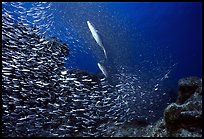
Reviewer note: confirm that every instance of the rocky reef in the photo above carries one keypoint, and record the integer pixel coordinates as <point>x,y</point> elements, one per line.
<point>183,118</point>
<point>180,119</point>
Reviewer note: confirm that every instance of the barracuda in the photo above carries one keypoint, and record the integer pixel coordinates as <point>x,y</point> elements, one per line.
<point>95,35</point>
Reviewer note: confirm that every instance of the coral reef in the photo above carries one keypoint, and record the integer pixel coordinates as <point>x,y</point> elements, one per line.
<point>183,118</point>
<point>187,86</point>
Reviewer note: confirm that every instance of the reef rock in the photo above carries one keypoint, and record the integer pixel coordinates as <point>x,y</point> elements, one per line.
<point>184,118</point>
<point>187,86</point>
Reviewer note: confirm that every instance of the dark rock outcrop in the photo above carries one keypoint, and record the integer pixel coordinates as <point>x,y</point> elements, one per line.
<point>183,118</point>
<point>188,115</point>
<point>187,86</point>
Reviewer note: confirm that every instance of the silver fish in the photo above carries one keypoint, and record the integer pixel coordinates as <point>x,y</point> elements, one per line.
<point>102,68</point>
<point>97,38</point>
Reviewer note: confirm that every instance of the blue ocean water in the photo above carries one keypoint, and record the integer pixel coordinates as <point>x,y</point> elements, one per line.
<point>176,25</point>
<point>149,45</point>
<point>174,28</point>
<point>165,32</point>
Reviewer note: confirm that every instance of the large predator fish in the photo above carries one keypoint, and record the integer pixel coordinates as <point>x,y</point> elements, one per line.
<point>103,70</point>
<point>96,36</point>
